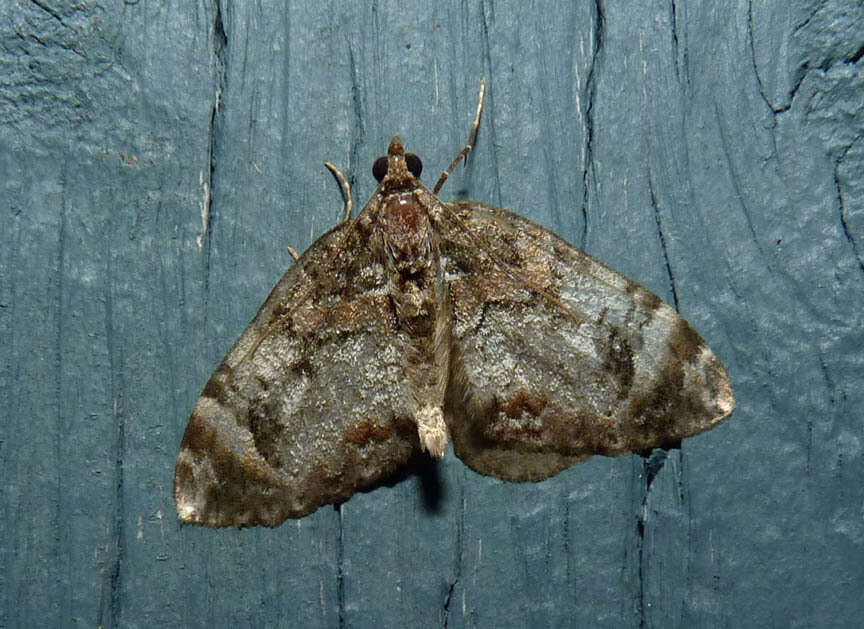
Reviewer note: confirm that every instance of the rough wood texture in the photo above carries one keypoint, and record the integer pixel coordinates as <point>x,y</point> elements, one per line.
<point>156,160</point>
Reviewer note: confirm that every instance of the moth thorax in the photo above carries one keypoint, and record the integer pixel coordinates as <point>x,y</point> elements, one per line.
<point>406,232</point>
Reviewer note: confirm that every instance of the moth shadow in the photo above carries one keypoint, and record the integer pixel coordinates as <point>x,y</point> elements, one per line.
<point>431,488</point>
<point>428,476</point>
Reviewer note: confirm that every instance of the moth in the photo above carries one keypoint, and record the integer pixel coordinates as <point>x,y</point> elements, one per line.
<point>421,323</point>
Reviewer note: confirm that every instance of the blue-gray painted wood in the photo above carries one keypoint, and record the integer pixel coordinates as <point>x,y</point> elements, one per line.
<point>156,160</point>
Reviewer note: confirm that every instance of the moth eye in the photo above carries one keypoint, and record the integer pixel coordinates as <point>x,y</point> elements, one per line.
<point>415,166</point>
<point>379,169</point>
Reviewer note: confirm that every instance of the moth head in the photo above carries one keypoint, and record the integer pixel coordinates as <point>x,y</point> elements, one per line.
<point>397,167</point>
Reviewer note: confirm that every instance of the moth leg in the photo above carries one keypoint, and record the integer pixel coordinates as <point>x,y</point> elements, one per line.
<point>346,190</point>
<point>471,137</point>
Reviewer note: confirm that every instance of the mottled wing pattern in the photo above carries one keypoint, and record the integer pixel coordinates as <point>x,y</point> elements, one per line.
<point>559,357</point>
<point>310,404</point>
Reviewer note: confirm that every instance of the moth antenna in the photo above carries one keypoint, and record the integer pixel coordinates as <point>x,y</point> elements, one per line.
<point>293,253</point>
<point>471,137</point>
<point>346,189</point>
